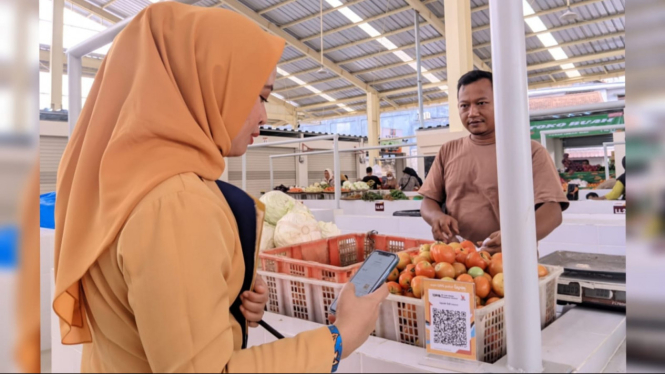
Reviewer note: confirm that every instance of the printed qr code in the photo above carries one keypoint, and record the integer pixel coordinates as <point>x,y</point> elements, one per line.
<point>449,327</point>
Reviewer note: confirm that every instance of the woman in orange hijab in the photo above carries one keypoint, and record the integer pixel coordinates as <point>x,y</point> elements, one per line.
<point>148,253</point>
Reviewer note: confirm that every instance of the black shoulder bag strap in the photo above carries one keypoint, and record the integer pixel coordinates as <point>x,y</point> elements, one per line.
<point>244,211</point>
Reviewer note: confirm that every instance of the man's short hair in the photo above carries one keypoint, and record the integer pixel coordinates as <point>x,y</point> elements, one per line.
<point>472,77</point>
<point>369,169</point>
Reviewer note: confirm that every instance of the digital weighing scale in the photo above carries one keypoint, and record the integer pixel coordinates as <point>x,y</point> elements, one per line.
<point>590,279</point>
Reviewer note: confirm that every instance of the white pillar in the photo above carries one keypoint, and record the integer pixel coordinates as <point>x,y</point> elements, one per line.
<point>373,125</point>
<point>518,223</point>
<point>57,57</point>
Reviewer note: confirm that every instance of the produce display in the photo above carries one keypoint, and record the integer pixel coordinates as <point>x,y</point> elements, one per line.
<point>295,190</point>
<point>372,196</point>
<point>456,262</point>
<point>357,186</point>
<point>288,222</point>
<point>395,195</point>
<point>315,188</point>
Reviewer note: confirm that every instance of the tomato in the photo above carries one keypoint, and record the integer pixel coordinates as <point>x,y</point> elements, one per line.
<point>476,272</point>
<point>496,267</point>
<point>405,280</point>
<point>444,270</point>
<point>410,269</point>
<point>417,286</point>
<point>425,247</point>
<point>459,269</point>
<point>542,271</point>
<point>469,246</point>
<point>404,259</point>
<point>488,277</point>
<point>491,301</point>
<point>479,302</point>
<point>394,275</point>
<point>486,256</point>
<point>465,278</point>
<point>408,293</point>
<point>420,258</point>
<point>394,288</point>
<point>443,253</point>
<point>497,285</point>
<point>497,257</point>
<point>474,260</point>
<point>483,287</point>
<point>448,279</point>
<point>425,269</point>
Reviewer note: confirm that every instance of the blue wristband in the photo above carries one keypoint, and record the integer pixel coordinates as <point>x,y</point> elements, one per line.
<point>337,338</point>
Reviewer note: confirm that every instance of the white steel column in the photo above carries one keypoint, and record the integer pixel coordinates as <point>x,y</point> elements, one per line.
<point>416,21</point>
<point>57,54</point>
<point>74,75</point>
<point>518,221</point>
<point>337,171</point>
<point>373,125</point>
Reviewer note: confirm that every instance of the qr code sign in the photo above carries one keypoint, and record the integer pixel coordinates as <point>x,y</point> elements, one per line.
<point>450,327</point>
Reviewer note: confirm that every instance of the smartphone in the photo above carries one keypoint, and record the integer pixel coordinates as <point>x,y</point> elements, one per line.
<point>372,274</point>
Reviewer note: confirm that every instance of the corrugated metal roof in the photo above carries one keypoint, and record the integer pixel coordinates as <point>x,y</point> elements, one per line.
<point>575,33</point>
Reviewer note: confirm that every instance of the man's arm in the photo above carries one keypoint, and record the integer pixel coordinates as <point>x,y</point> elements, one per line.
<point>548,217</point>
<point>444,227</point>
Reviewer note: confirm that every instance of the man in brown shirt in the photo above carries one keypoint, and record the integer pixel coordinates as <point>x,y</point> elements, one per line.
<point>464,176</point>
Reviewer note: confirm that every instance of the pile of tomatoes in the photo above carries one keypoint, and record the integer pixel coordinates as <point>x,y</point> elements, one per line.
<point>457,262</point>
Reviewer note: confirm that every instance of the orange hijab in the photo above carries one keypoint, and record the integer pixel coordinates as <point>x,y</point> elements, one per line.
<point>169,98</point>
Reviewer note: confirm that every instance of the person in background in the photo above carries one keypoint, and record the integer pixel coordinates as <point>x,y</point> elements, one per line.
<point>410,181</point>
<point>619,190</point>
<point>591,196</point>
<point>391,182</point>
<point>154,267</point>
<point>566,162</point>
<point>328,177</point>
<point>464,176</point>
<point>371,177</point>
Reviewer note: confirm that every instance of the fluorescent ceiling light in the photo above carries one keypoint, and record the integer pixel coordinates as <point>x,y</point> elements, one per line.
<point>334,3</point>
<point>432,78</point>
<point>403,56</point>
<point>328,97</point>
<point>536,24</point>
<point>558,53</point>
<point>548,39</point>
<point>351,15</point>
<point>568,66</point>
<point>528,10</point>
<point>573,74</point>
<point>371,31</point>
<point>387,43</point>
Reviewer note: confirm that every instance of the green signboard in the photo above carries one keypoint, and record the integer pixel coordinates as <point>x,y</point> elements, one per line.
<point>576,123</point>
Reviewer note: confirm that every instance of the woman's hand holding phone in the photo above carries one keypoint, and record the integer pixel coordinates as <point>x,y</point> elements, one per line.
<point>356,316</point>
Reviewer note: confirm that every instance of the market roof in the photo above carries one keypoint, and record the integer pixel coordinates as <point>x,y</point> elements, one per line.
<point>369,46</point>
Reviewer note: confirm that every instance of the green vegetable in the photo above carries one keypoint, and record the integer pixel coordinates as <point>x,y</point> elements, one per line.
<point>372,196</point>
<point>398,195</point>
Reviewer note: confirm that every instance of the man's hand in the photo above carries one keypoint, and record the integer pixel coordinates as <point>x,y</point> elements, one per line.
<point>493,245</point>
<point>444,228</point>
<point>254,303</point>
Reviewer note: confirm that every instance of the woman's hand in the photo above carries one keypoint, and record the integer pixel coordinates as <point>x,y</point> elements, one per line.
<point>354,326</point>
<point>254,303</point>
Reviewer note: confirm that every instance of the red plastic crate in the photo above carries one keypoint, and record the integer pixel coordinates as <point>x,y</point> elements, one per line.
<point>334,259</point>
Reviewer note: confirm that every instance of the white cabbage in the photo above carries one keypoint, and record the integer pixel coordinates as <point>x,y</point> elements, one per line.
<point>329,229</point>
<point>278,204</point>
<point>296,228</point>
<point>267,236</point>
<point>299,207</point>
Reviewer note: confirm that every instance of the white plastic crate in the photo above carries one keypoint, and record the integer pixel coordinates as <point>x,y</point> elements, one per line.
<point>402,319</point>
